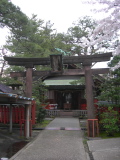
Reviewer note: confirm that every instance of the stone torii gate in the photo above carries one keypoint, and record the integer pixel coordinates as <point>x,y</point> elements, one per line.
<point>56,62</point>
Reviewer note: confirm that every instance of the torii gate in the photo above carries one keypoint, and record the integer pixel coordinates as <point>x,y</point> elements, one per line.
<point>57,62</point>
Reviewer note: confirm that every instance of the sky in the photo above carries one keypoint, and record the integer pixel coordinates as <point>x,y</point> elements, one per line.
<point>60,12</point>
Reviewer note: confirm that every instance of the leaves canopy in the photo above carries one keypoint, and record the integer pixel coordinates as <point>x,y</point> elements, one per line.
<point>110,90</point>
<point>11,16</point>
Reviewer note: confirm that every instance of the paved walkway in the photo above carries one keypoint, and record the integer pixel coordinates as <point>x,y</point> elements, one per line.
<point>105,149</point>
<point>62,140</point>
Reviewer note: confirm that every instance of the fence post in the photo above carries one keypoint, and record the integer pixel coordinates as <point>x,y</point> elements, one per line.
<point>10,119</point>
<point>92,123</point>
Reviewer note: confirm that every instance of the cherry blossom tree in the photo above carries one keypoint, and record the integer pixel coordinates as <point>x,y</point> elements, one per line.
<point>108,28</point>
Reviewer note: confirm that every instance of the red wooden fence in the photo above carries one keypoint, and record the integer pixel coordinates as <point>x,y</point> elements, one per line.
<point>18,113</point>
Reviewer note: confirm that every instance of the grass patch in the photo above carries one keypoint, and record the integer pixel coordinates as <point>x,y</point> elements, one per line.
<point>84,141</point>
<point>104,135</point>
<point>42,124</point>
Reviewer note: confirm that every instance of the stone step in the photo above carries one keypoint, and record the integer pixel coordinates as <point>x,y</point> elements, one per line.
<point>66,113</point>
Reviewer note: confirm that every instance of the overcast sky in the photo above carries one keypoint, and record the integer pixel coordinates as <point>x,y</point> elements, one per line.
<point>61,12</point>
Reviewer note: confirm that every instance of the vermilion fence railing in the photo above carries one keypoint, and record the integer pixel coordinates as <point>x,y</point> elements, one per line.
<point>18,113</point>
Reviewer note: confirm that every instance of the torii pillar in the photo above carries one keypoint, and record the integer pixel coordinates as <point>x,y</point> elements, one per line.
<point>89,91</point>
<point>28,93</point>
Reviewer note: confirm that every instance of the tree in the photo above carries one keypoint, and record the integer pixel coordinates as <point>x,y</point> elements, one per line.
<point>39,89</point>
<point>3,63</point>
<point>77,40</point>
<point>108,28</point>
<point>62,44</point>
<point>28,36</point>
<point>110,90</point>
<point>40,42</point>
<point>108,110</point>
<point>79,36</point>
<point>25,42</point>
<point>11,16</point>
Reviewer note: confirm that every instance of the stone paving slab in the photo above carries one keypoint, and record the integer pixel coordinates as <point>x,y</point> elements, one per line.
<point>55,144</point>
<point>65,122</point>
<point>105,149</point>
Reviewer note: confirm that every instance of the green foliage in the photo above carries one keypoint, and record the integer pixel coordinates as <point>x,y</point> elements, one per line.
<point>109,120</point>
<point>104,135</point>
<point>110,95</point>
<point>29,37</point>
<point>41,114</point>
<point>25,41</point>
<point>110,89</point>
<point>14,69</point>
<point>62,41</point>
<point>79,30</point>
<point>43,124</point>
<point>8,80</point>
<point>37,40</point>
<point>38,92</point>
<point>114,61</point>
<point>11,16</point>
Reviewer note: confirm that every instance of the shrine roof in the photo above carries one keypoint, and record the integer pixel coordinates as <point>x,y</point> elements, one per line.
<point>5,89</point>
<point>10,98</point>
<point>62,80</point>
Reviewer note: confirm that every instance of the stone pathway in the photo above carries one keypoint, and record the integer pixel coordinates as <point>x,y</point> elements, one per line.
<point>60,144</point>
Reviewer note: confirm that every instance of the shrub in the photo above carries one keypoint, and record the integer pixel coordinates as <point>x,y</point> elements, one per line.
<point>109,120</point>
<point>41,114</point>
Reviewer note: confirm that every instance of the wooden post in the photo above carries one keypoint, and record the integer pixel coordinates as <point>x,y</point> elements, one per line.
<point>28,90</point>
<point>89,92</point>
<point>27,121</point>
<point>56,62</point>
<point>10,129</point>
<point>28,93</point>
<point>89,97</point>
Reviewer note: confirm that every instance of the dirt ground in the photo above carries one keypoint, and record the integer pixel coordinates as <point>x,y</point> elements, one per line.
<point>12,143</point>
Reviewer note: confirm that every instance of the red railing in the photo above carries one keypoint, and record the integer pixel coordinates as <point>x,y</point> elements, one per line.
<point>18,113</point>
